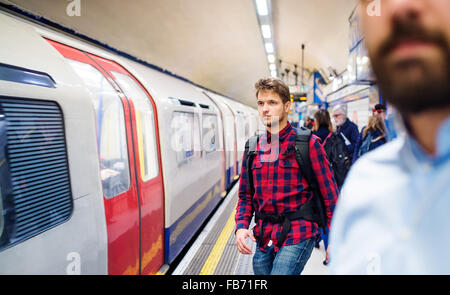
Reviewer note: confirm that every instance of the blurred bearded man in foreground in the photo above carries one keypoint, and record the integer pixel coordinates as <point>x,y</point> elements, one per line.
<point>392,214</point>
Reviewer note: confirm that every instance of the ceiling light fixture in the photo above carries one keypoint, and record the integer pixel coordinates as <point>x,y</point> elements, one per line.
<point>261,6</point>
<point>266,32</point>
<point>263,9</point>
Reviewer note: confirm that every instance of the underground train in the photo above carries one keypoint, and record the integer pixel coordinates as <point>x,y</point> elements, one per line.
<point>107,165</point>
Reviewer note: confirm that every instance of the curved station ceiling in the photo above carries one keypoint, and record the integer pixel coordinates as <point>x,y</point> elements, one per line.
<point>214,43</point>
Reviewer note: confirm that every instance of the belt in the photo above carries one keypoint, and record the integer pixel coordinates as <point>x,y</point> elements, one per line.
<point>304,212</point>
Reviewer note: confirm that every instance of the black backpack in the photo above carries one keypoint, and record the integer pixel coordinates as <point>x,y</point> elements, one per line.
<point>313,210</point>
<point>338,156</point>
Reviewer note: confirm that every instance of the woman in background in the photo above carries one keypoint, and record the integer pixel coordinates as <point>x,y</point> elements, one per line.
<point>334,146</point>
<point>337,154</point>
<point>373,136</point>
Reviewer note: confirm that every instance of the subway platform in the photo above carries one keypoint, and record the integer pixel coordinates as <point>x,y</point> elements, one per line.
<point>214,252</point>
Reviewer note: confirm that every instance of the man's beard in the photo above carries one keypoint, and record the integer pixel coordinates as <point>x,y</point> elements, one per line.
<point>339,123</point>
<point>411,93</point>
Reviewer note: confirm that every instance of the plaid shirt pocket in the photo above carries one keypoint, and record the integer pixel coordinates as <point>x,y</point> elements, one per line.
<point>288,171</point>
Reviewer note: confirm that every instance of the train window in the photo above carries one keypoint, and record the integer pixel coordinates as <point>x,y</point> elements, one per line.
<point>111,137</point>
<point>145,124</point>
<point>185,136</point>
<point>247,128</point>
<point>35,190</point>
<point>240,130</point>
<point>210,133</point>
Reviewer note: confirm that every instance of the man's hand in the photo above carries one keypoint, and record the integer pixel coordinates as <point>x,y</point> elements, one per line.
<point>241,235</point>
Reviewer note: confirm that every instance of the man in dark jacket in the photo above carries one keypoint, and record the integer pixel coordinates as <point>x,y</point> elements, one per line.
<point>346,128</point>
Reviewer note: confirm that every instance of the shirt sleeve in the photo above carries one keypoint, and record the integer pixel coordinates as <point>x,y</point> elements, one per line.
<point>324,176</point>
<point>244,208</point>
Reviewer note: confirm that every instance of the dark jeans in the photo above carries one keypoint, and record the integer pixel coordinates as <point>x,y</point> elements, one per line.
<point>289,260</point>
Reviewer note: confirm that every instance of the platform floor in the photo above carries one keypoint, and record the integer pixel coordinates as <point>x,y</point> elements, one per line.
<point>215,253</point>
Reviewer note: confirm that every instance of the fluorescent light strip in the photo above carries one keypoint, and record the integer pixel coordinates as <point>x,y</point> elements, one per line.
<point>269,47</point>
<point>272,67</point>
<point>266,32</point>
<point>271,58</point>
<point>261,6</point>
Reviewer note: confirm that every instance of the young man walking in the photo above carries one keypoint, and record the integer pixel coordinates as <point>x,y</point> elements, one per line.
<point>392,216</point>
<point>277,189</point>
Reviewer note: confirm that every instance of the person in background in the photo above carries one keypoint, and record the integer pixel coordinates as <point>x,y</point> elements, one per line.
<point>378,111</point>
<point>309,123</point>
<point>337,155</point>
<point>392,215</point>
<point>323,127</point>
<point>346,128</point>
<point>334,146</point>
<point>322,130</point>
<point>373,136</point>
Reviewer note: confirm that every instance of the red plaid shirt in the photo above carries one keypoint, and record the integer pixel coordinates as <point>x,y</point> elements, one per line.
<point>280,188</point>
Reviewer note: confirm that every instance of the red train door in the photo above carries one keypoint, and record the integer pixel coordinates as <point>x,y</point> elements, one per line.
<point>148,167</point>
<point>128,211</point>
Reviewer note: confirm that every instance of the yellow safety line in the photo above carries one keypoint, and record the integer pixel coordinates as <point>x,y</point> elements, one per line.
<point>213,259</point>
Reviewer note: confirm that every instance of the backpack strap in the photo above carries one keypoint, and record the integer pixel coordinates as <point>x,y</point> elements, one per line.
<point>314,209</point>
<point>252,143</point>
<point>326,138</point>
<point>302,154</point>
<point>311,210</point>
<point>250,154</point>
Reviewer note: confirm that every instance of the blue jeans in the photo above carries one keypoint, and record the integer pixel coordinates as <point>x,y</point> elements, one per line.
<point>289,260</point>
<point>324,237</point>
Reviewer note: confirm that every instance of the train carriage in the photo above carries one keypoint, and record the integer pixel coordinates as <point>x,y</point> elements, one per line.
<point>109,166</point>
<point>229,136</point>
<point>53,217</point>
<point>189,129</point>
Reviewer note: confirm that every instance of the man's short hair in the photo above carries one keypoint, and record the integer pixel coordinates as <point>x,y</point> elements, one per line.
<point>275,85</point>
<point>341,109</point>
